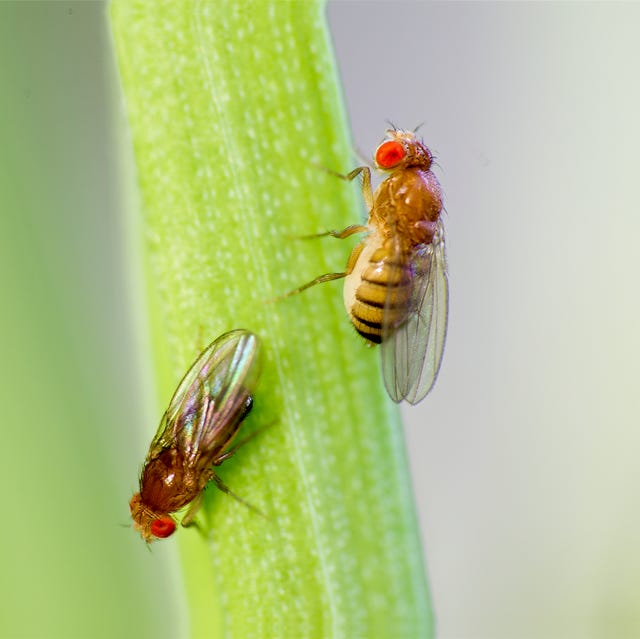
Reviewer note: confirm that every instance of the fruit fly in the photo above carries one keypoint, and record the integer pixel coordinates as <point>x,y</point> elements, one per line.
<point>395,290</point>
<point>196,433</point>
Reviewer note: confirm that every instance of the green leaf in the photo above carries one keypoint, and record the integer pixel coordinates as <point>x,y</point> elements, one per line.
<point>233,109</point>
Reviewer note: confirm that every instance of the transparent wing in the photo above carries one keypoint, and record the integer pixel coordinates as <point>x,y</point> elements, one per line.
<point>412,347</point>
<point>211,400</point>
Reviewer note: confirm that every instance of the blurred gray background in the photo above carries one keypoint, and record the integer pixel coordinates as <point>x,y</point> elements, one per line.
<point>524,456</point>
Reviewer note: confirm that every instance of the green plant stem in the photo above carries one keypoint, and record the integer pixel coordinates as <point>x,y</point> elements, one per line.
<point>233,107</point>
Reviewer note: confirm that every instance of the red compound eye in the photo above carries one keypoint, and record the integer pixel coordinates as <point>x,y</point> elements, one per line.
<point>163,527</point>
<point>389,154</point>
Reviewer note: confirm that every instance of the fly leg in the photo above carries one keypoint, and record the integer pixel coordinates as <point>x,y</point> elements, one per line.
<point>230,452</point>
<point>341,235</point>
<point>194,507</point>
<point>327,277</point>
<point>225,489</point>
<point>188,520</point>
<point>367,192</point>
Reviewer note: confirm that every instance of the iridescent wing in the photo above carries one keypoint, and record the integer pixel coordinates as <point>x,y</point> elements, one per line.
<point>212,399</point>
<point>412,348</point>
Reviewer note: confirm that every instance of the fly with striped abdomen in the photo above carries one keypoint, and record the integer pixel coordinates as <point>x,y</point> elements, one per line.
<point>396,289</point>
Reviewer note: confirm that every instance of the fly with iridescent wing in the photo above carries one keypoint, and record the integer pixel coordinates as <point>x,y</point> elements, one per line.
<point>197,433</point>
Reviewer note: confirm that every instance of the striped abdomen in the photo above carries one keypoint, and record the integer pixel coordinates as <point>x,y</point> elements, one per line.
<point>376,280</point>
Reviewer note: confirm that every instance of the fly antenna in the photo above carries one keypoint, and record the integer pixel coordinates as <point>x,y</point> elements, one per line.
<point>392,125</point>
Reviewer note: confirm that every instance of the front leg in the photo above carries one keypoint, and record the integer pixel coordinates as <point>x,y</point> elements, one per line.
<point>192,511</point>
<point>367,192</point>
